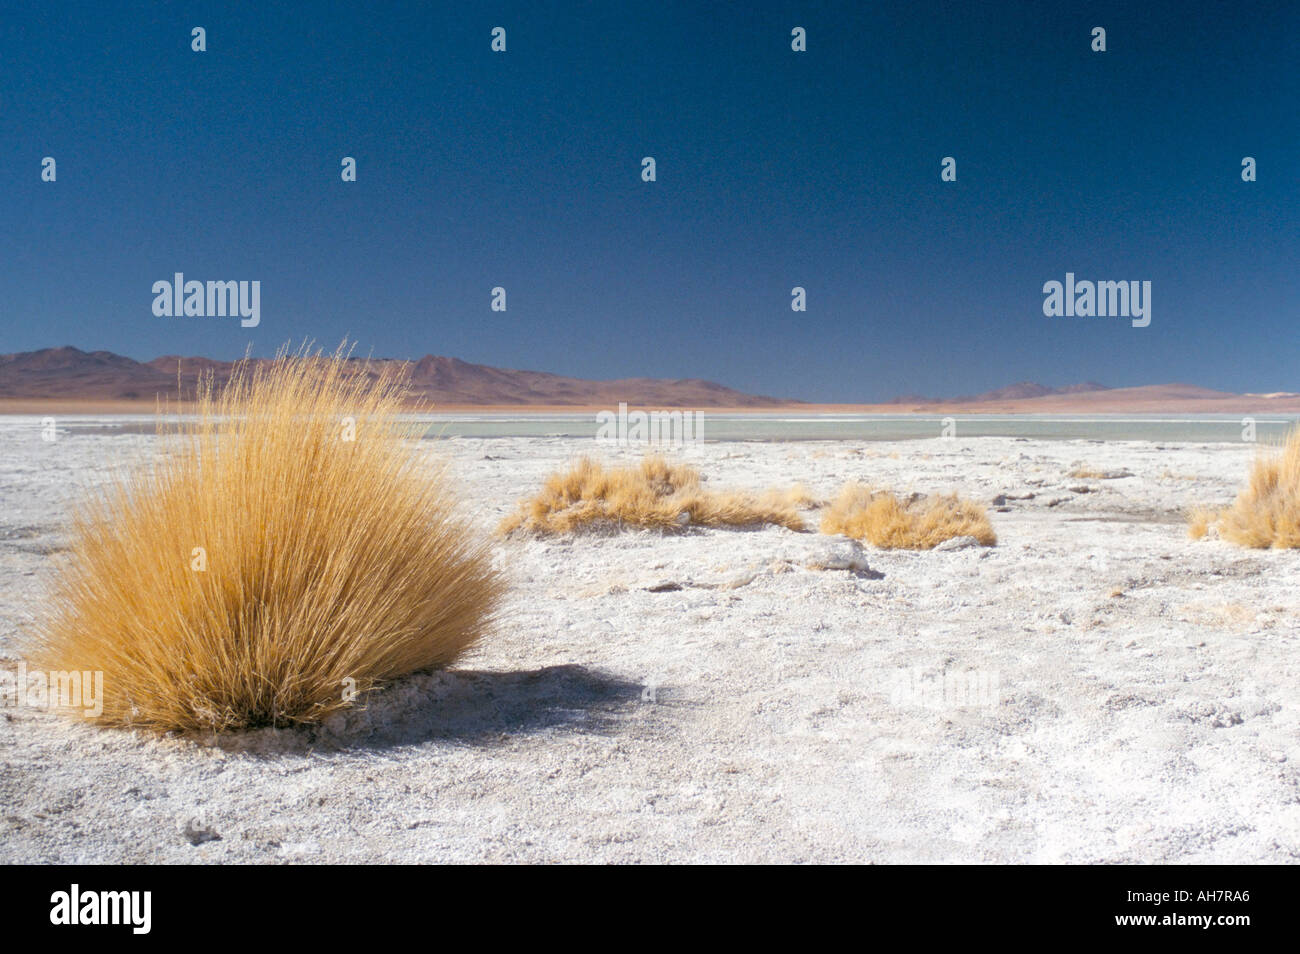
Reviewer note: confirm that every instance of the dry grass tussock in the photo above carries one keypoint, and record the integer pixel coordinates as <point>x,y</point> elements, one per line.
<point>655,494</point>
<point>1200,520</point>
<point>919,523</point>
<point>1267,511</point>
<point>266,558</point>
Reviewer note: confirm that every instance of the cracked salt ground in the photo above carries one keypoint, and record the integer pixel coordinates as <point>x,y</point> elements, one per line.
<point>714,696</point>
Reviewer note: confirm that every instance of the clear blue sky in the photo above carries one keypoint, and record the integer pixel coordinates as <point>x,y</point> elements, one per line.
<point>775,169</point>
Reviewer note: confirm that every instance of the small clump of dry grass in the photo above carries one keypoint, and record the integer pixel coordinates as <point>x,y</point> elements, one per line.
<point>1267,511</point>
<point>654,494</point>
<point>920,523</point>
<point>267,569</point>
<point>1200,520</point>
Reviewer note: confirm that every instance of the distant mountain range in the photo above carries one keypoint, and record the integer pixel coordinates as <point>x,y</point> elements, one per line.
<point>1012,392</point>
<point>70,376</point>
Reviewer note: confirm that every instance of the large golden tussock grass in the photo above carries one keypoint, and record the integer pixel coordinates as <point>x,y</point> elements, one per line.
<point>921,523</point>
<point>654,494</point>
<point>1267,511</point>
<point>332,565</point>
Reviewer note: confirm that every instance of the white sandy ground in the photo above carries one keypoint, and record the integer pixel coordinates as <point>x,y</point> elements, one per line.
<point>706,697</point>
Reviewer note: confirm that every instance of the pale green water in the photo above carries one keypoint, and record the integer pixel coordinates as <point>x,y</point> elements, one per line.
<point>1194,428</point>
<point>1203,428</point>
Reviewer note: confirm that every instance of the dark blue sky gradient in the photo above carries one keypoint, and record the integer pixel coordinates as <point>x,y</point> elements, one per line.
<point>775,169</point>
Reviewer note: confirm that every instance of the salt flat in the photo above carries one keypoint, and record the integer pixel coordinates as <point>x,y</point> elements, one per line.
<point>709,697</point>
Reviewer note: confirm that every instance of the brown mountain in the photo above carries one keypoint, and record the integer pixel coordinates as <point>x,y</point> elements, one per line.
<point>72,373</point>
<point>69,374</point>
